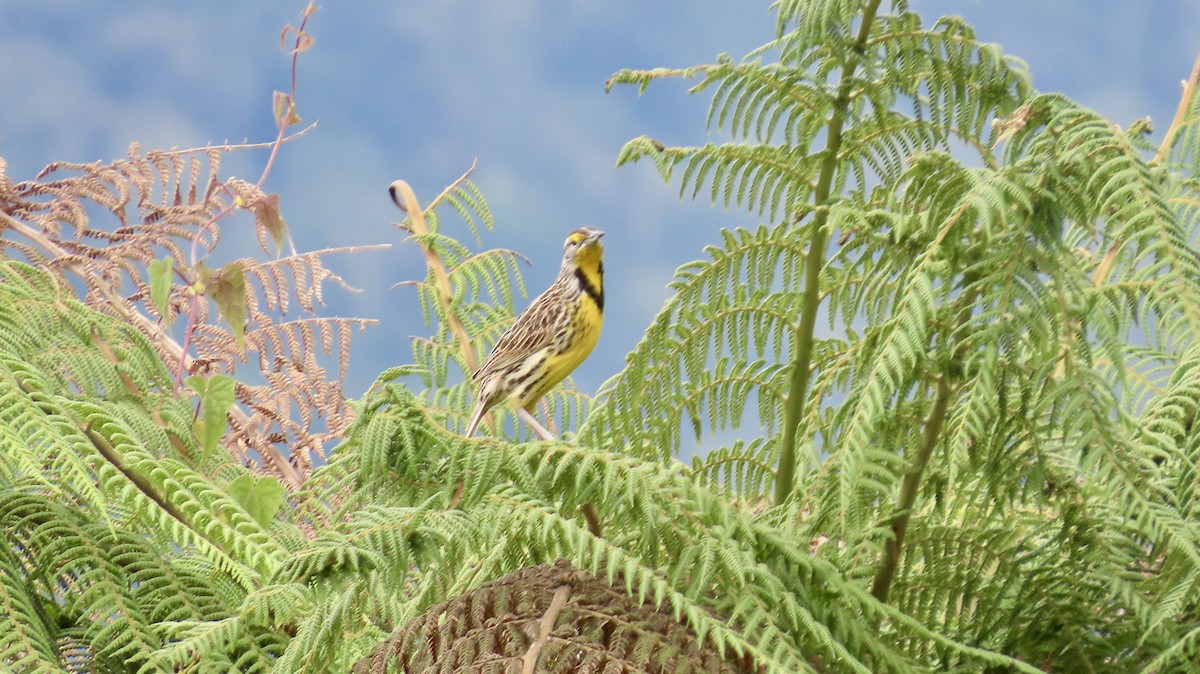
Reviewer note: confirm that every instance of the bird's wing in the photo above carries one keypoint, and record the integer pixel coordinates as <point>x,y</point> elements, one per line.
<point>534,330</point>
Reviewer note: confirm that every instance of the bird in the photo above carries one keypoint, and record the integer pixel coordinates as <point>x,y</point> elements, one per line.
<point>549,339</point>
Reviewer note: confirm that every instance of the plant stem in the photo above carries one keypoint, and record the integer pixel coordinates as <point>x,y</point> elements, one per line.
<point>592,518</point>
<point>813,262</point>
<point>908,492</point>
<point>1181,116</point>
<point>545,626</point>
<point>406,200</point>
<point>934,424</point>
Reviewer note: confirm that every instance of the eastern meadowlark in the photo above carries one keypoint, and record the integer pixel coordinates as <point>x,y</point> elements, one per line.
<point>549,339</point>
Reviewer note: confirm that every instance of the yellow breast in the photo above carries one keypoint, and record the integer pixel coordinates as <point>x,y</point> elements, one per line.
<point>559,364</point>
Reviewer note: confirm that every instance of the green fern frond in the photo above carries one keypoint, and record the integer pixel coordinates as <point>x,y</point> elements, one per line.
<point>715,304</point>
<point>745,470</point>
<point>752,101</point>
<point>75,568</point>
<point>815,21</point>
<point>516,505</point>
<point>763,178</point>
<point>27,635</point>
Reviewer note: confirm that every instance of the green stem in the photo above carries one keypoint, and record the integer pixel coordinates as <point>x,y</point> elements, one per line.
<point>934,423</point>
<point>908,492</point>
<point>813,262</point>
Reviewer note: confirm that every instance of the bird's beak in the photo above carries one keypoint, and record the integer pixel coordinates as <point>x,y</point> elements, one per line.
<point>596,235</point>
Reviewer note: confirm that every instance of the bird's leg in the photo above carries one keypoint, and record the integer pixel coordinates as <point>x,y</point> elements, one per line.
<point>533,424</point>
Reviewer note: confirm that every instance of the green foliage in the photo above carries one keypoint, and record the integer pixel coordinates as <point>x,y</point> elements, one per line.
<point>432,515</point>
<point>216,395</point>
<point>193,572</point>
<point>1008,256</point>
<point>260,496</point>
<point>115,524</point>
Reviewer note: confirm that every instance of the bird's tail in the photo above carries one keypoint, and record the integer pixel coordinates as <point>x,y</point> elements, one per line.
<point>481,408</point>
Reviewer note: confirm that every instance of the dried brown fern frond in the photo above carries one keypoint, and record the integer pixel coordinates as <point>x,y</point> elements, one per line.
<point>546,618</point>
<point>135,234</point>
<point>101,225</point>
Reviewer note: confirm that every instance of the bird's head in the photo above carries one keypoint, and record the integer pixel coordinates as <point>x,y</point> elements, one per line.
<point>582,249</point>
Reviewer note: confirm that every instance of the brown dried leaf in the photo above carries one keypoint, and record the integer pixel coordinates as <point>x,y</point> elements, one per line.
<point>268,218</point>
<point>227,288</point>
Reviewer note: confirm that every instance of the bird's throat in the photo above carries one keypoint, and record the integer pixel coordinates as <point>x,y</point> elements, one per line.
<point>590,273</point>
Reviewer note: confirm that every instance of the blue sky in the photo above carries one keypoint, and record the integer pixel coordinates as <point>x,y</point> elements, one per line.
<point>419,90</point>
